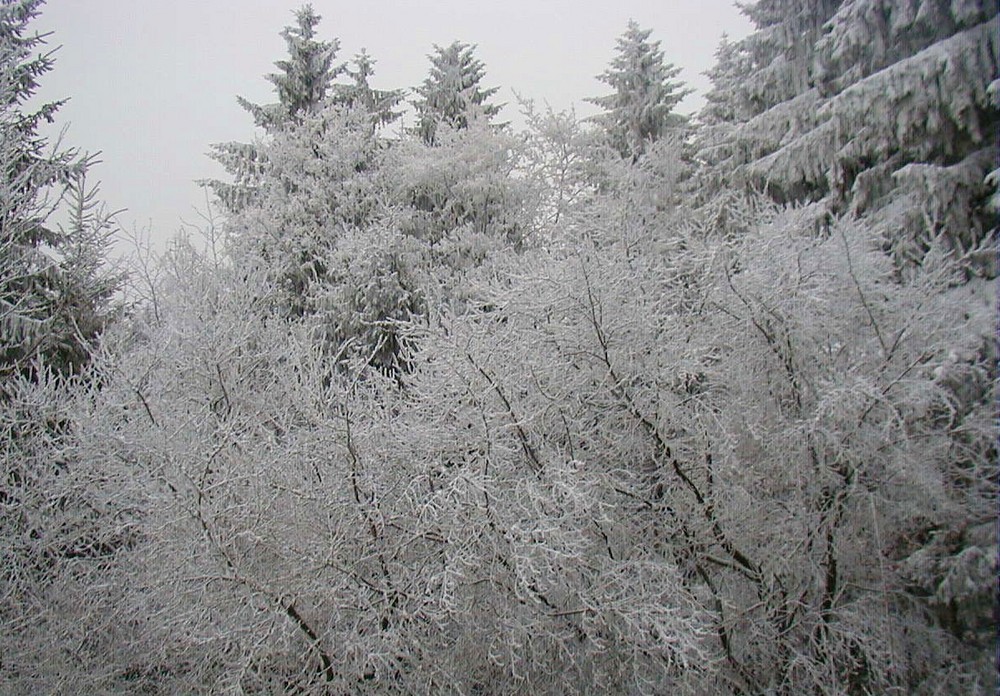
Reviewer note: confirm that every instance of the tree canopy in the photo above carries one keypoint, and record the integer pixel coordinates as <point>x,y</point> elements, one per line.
<point>634,404</point>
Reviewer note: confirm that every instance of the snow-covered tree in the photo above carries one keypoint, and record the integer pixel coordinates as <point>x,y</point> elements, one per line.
<point>61,526</point>
<point>454,176</point>
<point>762,88</point>
<point>804,436</point>
<point>302,86</point>
<point>878,140</point>
<point>557,161</point>
<point>313,203</point>
<point>311,525</point>
<point>465,411</point>
<point>722,103</point>
<point>451,94</point>
<point>54,286</point>
<point>463,180</point>
<point>325,229</point>
<point>888,116</point>
<point>305,77</point>
<point>781,50</point>
<point>71,618</point>
<point>846,377</point>
<point>646,92</point>
<point>380,103</point>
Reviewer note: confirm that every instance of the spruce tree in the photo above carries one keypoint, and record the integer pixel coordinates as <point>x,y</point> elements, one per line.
<point>868,107</point>
<point>721,101</point>
<point>380,103</point>
<point>641,108</point>
<point>781,49</point>
<point>302,85</point>
<point>451,94</point>
<point>307,208</point>
<point>304,78</point>
<point>53,286</point>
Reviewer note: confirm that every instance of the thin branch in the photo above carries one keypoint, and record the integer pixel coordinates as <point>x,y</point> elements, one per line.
<point>529,451</point>
<point>861,294</point>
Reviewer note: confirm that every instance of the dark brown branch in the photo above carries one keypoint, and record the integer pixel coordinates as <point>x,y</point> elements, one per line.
<point>145,406</point>
<point>303,625</point>
<point>529,451</point>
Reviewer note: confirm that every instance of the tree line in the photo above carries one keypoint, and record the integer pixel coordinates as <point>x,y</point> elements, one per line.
<point>641,403</point>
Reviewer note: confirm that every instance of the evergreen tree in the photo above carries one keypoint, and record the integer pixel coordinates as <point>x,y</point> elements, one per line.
<point>869,107</point>
<point>762,90</point>
<point>381,104</point>
<point>781,50</point>
<point>307,207</point>
<point>641,108</point>
<point>451,94</point>
<point>53,286</point>
<point>908,130</point>
<point>714,142</point>
<point>722,104</point>
<point>322,180</point>
<point>60,528</point>
<point>302,84</point>
<point>305,77</point>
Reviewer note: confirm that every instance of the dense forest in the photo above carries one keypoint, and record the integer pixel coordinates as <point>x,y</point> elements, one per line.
<point>638,403</point>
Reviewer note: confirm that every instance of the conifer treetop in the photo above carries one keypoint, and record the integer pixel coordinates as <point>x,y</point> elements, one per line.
<point>380,103</point>
<point>305,76</point>
<point>646,92</point>
<point>451,93</point>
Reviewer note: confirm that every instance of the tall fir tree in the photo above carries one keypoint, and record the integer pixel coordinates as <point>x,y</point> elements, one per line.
<point>762,89</point>
<point>53,287</point>
<point>308,203</point>
<point>451,94</point>
<point>646,92</point>
<point>722,104</point>
<point>908,128</point>
<point>305,77</point>
<point>380,103</point>
<point>858,105</point>
<point>302,85</point>
<point>781,49</point>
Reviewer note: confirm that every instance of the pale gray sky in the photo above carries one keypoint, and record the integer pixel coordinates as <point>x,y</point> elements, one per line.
<point>153,82</point>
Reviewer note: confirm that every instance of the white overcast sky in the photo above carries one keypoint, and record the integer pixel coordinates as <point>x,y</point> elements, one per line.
<point>152,83</point>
